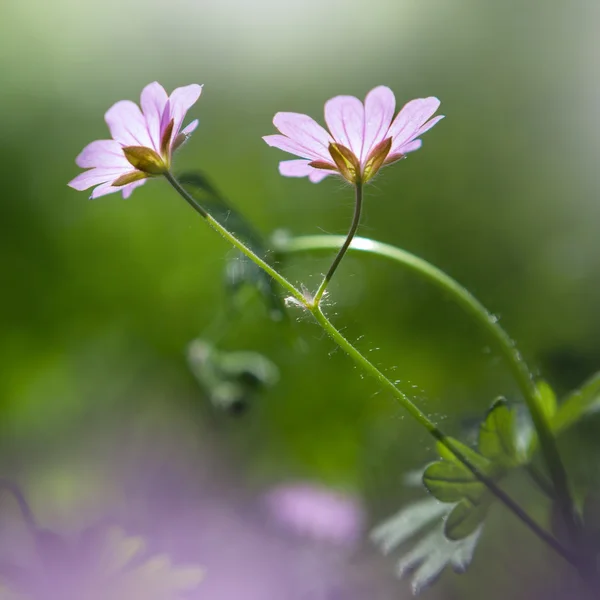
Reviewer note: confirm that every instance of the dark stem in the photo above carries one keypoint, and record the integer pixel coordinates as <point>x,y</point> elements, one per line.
<point>338,259</point>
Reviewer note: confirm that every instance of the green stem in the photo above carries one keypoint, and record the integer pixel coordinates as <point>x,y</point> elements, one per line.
<point>489,323</point>
<point>345,245</point>
<point>341,341</point>
<point>282,281</point>
<point>437,433</point>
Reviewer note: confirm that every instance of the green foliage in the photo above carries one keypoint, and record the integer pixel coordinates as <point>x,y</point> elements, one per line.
<point>578,405</point>
<point>498,436</point>
<point>433,551</point>
<point>231,380</point>
<point>240,271</point>
<point>450,480</point>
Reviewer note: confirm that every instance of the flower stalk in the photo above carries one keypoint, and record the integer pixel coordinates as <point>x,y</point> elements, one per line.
<point>346,244</point>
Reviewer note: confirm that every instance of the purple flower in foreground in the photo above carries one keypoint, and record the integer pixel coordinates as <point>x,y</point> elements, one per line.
<point>361,138</point>
<point>316,512</point>
<point>142,143</point>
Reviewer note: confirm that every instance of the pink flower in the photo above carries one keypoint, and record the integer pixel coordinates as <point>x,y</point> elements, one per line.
<point>361,138</point>
<point>315,512</point>
<point>142,143</point>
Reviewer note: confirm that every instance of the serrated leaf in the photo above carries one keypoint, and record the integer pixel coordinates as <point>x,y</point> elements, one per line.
<point>547,397</point>
<point>580,403</point>
<point>433,554</point>
<point>498,436</point>
<point>465,518</point>
<point>240,271</point>
<point>451,482</point>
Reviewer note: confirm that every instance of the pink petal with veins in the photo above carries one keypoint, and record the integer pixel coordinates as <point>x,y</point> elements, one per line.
<point>102,153</point>
<point>128,189</point>
<point>410,119</point>
<point>95,176</point>
<point>287,145</point>
<point>410,147</point>
<point>302,168</point>
<point>180,101</point>
<point>127,124</point>
<point>153,101</point>
<point>345,117</point>
<point>306,133</point>
<point>380,105</point>
<point>190,128</point>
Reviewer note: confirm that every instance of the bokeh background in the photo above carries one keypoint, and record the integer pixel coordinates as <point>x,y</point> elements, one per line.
<point>99,299</point>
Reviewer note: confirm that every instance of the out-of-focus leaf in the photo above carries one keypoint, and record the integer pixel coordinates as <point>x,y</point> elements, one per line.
<point>466,517</point>
<point>582,402</point>
<point>231,379</point>
<point>240,271</point>
<point>433,552</point>
<point>548,399</point>
<point>498,436</point>
<point>450,482</point>
<point>476,459</point>
<point>404,524</point>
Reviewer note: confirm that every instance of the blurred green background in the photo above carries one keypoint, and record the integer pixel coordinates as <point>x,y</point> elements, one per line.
<point>100,298</point>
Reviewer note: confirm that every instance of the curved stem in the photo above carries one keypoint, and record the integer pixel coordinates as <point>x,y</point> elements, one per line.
<point>343,343</point>
<point>345,245</point>
<point>473,307</point>
<point>289,287</point>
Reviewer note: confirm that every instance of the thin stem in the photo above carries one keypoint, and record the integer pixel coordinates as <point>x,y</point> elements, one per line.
<point>338,258</point>
<point>289,287</point>
<point>421,418</point>
<point>341,341</point>
<point>489,322</point>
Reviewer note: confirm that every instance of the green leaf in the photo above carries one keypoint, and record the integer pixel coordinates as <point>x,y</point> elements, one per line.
<point>547,397</point>
<point>231,380</point>
<point>450,482</point>
<point>410,520</point>
<point>498,436</point>
<point>579,404</point>
<point>476,459</point>
<point>466,517</point>
<point>240,271</point>
<point>432,552</point>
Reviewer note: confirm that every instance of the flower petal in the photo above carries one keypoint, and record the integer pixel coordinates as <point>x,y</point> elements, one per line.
<point>190,128</point>
<point>153,101</point>
<point>380,104</point>
<point>102,153</point>
<point>429,125</point>
<point>95,176</point>
<point>180,101</point>
<point>410,119</point>
<point>128,189</point>
<point>301,168</point>
<point>410,146</point>
<point>305,132</point>
<point>127,124</point>
<point>345,117</point>
<point>107,188</point>
<point>287,145</point>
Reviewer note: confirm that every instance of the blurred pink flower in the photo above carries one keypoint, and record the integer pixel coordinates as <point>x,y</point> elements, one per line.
<point>142,143</point>
<point>316,512</point>
<point>361,138</point>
